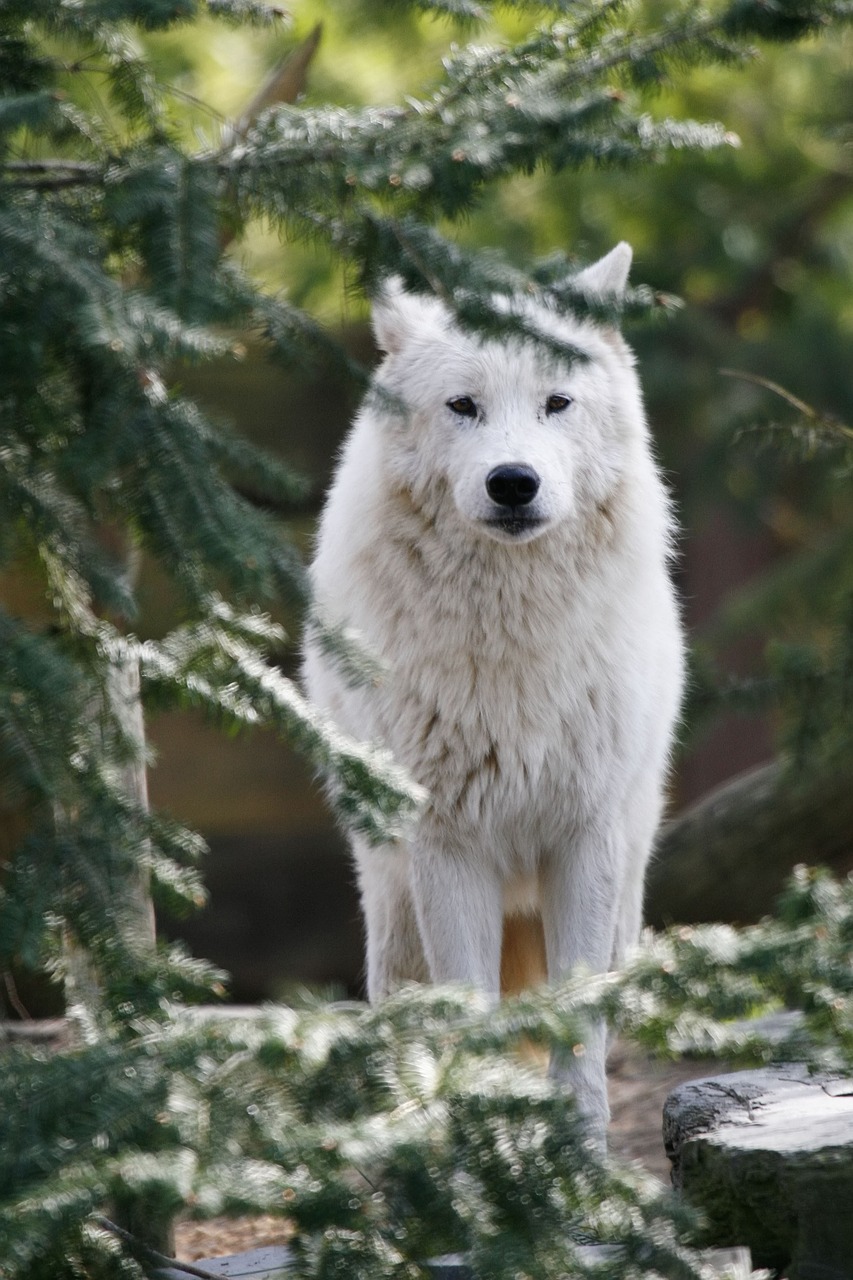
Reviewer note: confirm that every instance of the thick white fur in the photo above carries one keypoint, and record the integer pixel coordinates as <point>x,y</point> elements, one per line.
<point>533,678</point>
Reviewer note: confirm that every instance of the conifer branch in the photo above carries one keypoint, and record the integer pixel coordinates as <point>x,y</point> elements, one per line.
<point>52,174</point>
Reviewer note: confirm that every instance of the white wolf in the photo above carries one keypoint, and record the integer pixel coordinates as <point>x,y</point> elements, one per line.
<point>498,532</point>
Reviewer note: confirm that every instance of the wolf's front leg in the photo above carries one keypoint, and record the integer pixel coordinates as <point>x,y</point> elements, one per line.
<point>394,951</point>
<point>459,905</point>
<point>580,895</point>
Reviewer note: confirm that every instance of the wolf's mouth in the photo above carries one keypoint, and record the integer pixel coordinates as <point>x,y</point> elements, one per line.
<point>516,525</point>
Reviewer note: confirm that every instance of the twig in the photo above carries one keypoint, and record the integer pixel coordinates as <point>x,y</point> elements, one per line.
<point>285,82</point>
<point>808,411</point>
<point>162,1259</point>
<point>805,409</point>
<point>14,999</point>
<point>438,287</point>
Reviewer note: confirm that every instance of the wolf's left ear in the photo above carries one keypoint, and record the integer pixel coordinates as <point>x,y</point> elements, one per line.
<point>609,276</point>
<point>393,316</point>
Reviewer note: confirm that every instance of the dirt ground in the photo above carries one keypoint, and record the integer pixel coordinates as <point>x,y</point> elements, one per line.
<point>638,1087</point>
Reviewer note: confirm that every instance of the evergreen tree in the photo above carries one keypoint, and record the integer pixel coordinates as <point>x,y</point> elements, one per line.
<point>758,367</point>
<point>388,1135</point>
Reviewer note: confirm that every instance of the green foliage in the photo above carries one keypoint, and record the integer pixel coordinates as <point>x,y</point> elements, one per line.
<point>385,1135</point>
<point>216,665</point>
<point>709,981</point>
<point>807,678</point>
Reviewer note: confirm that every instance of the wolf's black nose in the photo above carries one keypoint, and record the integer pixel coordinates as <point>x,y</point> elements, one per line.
<point>512,486</point>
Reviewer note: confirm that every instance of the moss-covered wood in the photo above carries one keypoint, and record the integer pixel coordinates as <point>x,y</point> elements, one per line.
<point>768,1157</point>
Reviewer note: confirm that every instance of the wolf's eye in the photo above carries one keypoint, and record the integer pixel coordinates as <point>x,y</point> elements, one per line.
<point>464,406</point>
<point>556,404</point>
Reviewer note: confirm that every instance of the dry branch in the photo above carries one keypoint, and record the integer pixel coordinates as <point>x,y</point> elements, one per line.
<point>286,81</point>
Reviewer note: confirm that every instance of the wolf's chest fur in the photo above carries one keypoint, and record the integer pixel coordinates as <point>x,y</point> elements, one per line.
<point>507,688</point>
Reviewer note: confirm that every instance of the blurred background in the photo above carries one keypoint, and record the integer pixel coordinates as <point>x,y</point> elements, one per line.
<point>756,238</point>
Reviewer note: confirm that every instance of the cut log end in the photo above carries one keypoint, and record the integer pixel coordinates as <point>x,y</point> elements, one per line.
<point>768,1158</point>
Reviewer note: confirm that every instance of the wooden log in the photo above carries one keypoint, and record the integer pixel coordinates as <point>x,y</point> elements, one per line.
<point>768,1158</point>
<point>728,856</point>
<point>274,1261</point>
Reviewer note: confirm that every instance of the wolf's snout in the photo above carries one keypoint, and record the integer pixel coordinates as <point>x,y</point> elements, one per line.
<point>514,486</point>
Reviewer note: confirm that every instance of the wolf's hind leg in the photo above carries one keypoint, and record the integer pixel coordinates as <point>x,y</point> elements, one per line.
<point>395,954</point>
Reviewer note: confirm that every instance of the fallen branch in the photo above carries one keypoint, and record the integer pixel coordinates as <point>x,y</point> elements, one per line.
<point>728,856</point>
<point>143,1250</point>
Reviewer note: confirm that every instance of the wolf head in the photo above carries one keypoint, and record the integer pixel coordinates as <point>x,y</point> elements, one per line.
<point>518,439</point>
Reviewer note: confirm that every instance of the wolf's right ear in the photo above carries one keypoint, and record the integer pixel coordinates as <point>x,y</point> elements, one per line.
<point>609,276</point>
<point>394,316</point>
